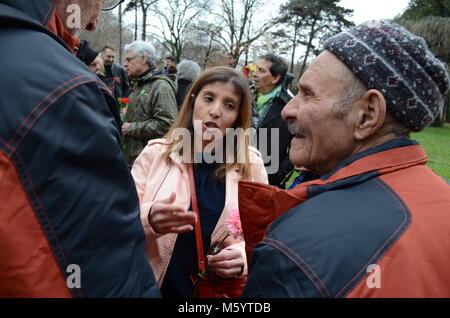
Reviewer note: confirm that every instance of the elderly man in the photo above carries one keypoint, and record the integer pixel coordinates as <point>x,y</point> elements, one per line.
<point>377,222</point>
<point>153,105</point>
<point>69,220</point>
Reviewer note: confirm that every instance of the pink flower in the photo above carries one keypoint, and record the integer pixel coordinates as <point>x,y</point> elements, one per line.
<point>233,224</point>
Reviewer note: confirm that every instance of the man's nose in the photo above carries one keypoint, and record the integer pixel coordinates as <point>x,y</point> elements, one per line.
<point>289,111</point>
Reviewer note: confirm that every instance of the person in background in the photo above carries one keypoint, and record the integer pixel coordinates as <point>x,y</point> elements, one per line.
<point>90,57</point>
<point>271,96</point>
<point>187,73</point>
<point>152,106</point>
<point>115,77</point>
<point>219,99</point>
<point>377,222</point>
<point>69,218</point>
<point>171,61</point>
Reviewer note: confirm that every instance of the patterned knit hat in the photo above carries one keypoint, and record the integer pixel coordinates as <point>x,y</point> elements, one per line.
<point>387,57</point>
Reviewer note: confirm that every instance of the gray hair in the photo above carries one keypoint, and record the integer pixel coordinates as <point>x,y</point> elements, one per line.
<point>141,49</point>
<point>188,70</point>
<point>355,89</point>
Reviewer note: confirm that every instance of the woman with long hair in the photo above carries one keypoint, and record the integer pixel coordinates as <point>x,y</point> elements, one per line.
<point>189,179</point>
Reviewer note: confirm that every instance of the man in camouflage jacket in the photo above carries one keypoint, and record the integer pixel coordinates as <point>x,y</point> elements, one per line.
<point>152,108</point>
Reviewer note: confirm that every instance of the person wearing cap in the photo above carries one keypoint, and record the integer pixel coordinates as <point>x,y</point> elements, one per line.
<point>90,57</point>
<point>377,222</point>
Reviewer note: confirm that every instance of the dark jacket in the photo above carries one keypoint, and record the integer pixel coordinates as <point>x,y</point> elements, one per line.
<point>183,88</point>
<point>273,119</point>
<point>151,112</point>
<point>67,195</point>
<point>119,82</point>
<point>376,226</point>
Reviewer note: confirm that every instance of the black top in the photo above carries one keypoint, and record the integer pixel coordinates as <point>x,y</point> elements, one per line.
<point>211,201</point>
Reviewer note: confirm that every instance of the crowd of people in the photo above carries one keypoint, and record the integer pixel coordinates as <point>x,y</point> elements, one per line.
<point>217,182</point>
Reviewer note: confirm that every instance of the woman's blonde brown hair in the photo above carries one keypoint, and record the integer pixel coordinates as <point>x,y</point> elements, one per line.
<point>243,120</point>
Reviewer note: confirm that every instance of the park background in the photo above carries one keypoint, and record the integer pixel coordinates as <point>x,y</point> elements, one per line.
<point>236,32</point>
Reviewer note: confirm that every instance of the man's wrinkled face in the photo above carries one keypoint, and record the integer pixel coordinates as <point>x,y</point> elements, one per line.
<point>135,66</point>
<point>108,57</point>
<point>321,139</point>
<point>79,15</point>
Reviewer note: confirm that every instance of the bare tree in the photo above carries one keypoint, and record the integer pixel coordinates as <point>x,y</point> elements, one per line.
<point>209,34</point>
<point>313,20</point>
<point>175,17</point>
<point>238,32</point>
<point>107,33</point>
<point>145,6</point>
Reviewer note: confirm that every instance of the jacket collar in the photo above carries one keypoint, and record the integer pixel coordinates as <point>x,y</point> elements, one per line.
<point>392,156</point>
<point>261,204</point>
<point>276,107</point>
<point>39,15</point>
<point>56,25</point>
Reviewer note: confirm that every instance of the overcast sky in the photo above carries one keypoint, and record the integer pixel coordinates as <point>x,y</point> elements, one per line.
<point>364,10</point>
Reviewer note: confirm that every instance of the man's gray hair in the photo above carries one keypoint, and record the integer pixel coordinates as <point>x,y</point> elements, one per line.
<point>353,90</point>
<point>141,49</point>
<point>188,70</point>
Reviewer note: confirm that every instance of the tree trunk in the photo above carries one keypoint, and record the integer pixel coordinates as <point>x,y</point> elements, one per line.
<point>144,25</point>
<point>120,33</point>
<point>308,48</point>
<point>208,52</point>
<point>294,46</point>
<point>135,22</point>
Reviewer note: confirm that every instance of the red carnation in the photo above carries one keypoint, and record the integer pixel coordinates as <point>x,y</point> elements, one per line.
<point>125,100</point>
<point>116,80</point>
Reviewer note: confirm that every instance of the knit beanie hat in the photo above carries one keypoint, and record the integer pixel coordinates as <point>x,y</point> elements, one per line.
<point>387,57</point>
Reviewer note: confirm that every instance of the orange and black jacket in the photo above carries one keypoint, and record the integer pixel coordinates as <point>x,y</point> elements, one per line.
<point>69,211</point>
<point>376,226</point>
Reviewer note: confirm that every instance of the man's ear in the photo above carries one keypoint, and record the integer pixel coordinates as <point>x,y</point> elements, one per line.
<point>276,80</point>
<point>371,114</point>
<point>144,60</point>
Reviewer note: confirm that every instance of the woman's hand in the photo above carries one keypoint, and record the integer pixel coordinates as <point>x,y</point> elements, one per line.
<point>228,263</point>
<point>167,217</point>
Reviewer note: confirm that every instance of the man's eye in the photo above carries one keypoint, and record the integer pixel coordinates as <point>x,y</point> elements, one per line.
<point>304,92</point>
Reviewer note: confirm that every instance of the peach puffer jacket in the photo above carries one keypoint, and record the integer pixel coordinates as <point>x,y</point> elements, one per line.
<point>156,178</point>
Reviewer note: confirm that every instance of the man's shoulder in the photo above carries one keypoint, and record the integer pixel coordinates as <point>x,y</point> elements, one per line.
<point>161,82</point>
<point>118,68</point>
<point>338,230</point>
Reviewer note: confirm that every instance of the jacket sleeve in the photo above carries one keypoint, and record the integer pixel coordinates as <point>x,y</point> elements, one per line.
<point>87,194</point>
<point>274,275</point>
<point>140,173</point>
<point>162,108</point>
<point>126,87</point>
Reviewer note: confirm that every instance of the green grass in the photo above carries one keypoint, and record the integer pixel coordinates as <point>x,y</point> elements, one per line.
<point>436,142</point>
